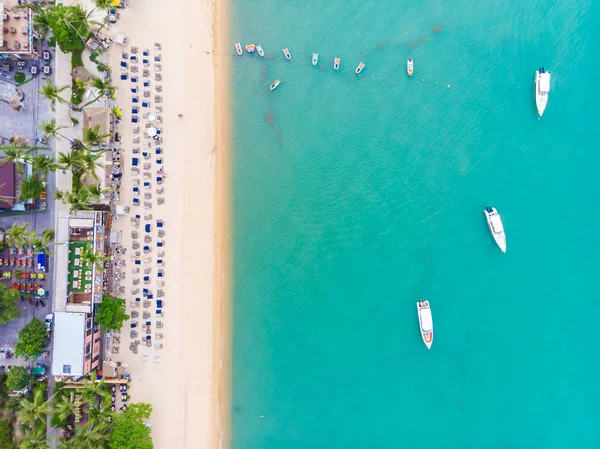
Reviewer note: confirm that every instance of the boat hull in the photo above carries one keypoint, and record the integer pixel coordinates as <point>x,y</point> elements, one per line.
<point>238,49</point>
<point>425,322</point>
<point>409,67</point>
<point>260,51</point>
<point>499,236</point>
<point>250,49</point>
<point>287,54</point>
<point>275,85</point>
<point>541,98</point>
<point>315,59</point>
<point>336,64</point>
<point>359,68</point>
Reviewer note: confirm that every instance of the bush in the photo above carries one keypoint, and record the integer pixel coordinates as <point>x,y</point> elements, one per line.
<point>32,339</point>
<point>8,304</point>
<point>102,68</point>
<point>51,41</point>
<point>6,439</point>
<point>20,77</point>
<point>76,59</point>
<point>17,378</point>
<point>94,56</point>
<point>76,94</point>
<point>118,112</point>
<point>110,313</point>
<point>74,121</point>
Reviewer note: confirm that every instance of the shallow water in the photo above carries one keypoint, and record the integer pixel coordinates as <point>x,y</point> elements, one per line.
<point>356,196</point>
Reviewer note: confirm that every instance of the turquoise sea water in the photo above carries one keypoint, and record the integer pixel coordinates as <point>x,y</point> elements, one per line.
<point>356,196</point>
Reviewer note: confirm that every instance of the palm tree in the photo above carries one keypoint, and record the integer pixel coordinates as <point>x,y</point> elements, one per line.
<point>75,200</point>
<point>103,86</point>
<point>68,161</point>
<point>43,164</point>
<point>41,21</point>
<point>16,234</point>
<point>106,5</point>
<point>51,130</point>
<point>89,437</point>
<point>35,442</point>
<point>93,137</point>
<point>52,93</point>
<point>31,188</point>
<point>91,258</point>
<point>15,154</point>
<point>40,245</point>
<point>88,161</point>
<point>66,406</point>
<point>101,414</point>
<point>34,412</point>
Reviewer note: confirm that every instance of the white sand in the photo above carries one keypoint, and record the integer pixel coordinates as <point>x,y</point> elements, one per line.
<point>179,386</point>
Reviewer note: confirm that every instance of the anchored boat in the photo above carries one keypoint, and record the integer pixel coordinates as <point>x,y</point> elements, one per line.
<point>409,67</point>
<point>359,68</point>
<point>315,59</point>
<point>238,48</point>
<point>276,83</point>
<point>260,51</point>
<point>542,87</point>
<point>250,48</point>
<point>495,223</point>
<point>425,322</point>
<point>336,64</point>
<point>287,54</point>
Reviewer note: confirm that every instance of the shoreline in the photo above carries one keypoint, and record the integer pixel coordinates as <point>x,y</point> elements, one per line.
<point>222,311</point>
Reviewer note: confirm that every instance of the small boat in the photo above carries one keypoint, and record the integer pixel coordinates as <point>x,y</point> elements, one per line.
<point>315,59</point>
<point>287,54</point>
<point>495,223</point>
<point>238,48</point>
<point>425,322</point>
<point>260,51</point>
<point>542,87</point>
<point>359,68</point>
<point>276,83</point>
<point>250,49</point>
<point>409,67</point>
<point>336,64</point>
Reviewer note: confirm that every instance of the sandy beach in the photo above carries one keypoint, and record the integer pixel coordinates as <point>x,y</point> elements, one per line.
<point>186,380</point>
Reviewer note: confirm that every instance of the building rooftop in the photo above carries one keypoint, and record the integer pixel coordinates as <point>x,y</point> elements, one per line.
<point>16,36</point>
<point>7,185</point>
<point>68,344</point>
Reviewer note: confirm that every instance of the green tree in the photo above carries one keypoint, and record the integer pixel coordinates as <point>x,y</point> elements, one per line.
<point>51,130</point>
<point>33,413</point>
<point>40,245</point>
<point>42,164</point>
<point>68,161</point>
<point>91,258</point>
<point>32,339</point>
<point>15,154</point>
<point>41,20</point>
<point>31,188</point>
<point>52,93</point>
<point>90,436</point>
<point>65,406</point>
<point>102,86</point>
<point>110,313</point>
<point>36,441</point>
<point>93,136</point>
<point>130,430</point>
<point>70,27</point>
<point>6,439</point>
<point>16,233</point>
<point>76,200</point>
<point>105,5</point>
<point>88,161</point>
<point>8,304</point>
<point>17,378</point>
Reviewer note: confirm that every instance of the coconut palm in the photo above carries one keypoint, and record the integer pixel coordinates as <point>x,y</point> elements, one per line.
<point>103,86</point>
<point>106,5</point>
<point>93,136</point>
<point>88,161</point>
<point>52,93</point>
<point>30,188</point>
<point>16,233</point>
<point>34,413</point>
<point>40,245</point>
<point>51,130</point>
<point>41,20</point>
<point>15,154</point>
<point>101,414</point>
<point>68,161</point>
<point>66,406</point>
<point>35,442</point>
<point>91,258</point>
<point>89,436</point>
<point>75,200</point>
<point>42,164</point>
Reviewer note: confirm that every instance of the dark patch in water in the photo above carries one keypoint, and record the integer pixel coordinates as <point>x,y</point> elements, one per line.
<point>269,119</point>
<point>236,409</point>
<point>436,29</point>
<point>279,138</point>
<point>421,38</point>
<point>413,44</point>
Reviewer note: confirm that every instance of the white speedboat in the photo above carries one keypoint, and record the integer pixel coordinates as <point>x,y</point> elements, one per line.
<point>238,49</point>
<point>287,54</point>
<point>260,51</point>
<point>315,59</point>
<point>250,48</point>
<point>542,87</point>
<point>336,64</point>
<point>359,68</point>
<point>496,228</point>
<point>409,67</point>
<point>425,322</point>
<point>276,83</point>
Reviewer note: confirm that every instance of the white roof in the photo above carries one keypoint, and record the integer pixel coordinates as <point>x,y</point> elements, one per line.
<point>68,344</point>
<point>496,223</point>
<point>81,222</point>
<point>544,84</point>
<point>426,323</point>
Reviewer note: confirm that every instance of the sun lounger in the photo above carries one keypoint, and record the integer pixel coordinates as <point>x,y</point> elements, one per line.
<point>145,62</point>
<point>134,161</point>
<point>134,324</point>
<point>157,58</point>
<point>146,94</point>
<point>124,76</point>
<point>146,52</point>
<point>133,79</point>
<point>160,313</point>
<point>133,69</point>
<point>133,58</point>
<point>135,99</point>
<point>145,104</point>
<point>124,64</point>
<point>157,46</point>
<point>134,90</point>
<point>161,273</point>
<point>158,77</point>
<point>134,50</point>
<point>146,83</point>
<point>124,55</point>
<point>158,89</point>
<point>136,140</point>
<point>146,73</point>
<point>146,315</point>
<point>135,110</point>
<point>134,119</point>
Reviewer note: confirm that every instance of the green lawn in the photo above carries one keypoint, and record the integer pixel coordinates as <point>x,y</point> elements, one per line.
<point>82,271</point>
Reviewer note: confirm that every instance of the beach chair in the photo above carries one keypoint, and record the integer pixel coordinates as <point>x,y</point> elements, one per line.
<point>146,83</point>
<point>160,201</point>
<point>135,99</point>
<point>146,73</point>
<point>135,110</point>
<point>134,90</point>
<point>133,79</point>
<point>159,161</point>
<point>158,88</point>
<point>157,77</point>
<point>161,273</point>
<point>133,58</point>
<point>157,98</point>
<point>136,140</point>
<point>157,67</point>
<point>145,62</point>
<point>124,55</point>
<point>146,315</point>
<point>135,270</point>
<point>123,64</point>
<point>157,58</point>
<point>160,262</point>
<point>157,46</point>
<point>148,227</point>
<point>134,50</point>
<point>158,150</point>
<point>134,69</point>
<point>145,104</point>
<point>146,94</point>
<point>124,76</point>
<point>136,151</point>
<point>136,130</point>
<point>146,52</point>
<point>134,119</point>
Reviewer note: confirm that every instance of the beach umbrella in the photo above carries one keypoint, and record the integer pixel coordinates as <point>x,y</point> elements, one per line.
<point>152,131</point>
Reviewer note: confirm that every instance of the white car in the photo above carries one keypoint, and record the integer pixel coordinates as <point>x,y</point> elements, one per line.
<point>49,319</point>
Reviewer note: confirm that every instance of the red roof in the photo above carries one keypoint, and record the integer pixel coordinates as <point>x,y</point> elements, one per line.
<point>7,185</point>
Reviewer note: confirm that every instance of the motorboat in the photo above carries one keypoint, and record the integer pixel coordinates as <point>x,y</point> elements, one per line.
<point>260,51</point>
<point>251,48</point>
<point>276,83</point>
<point>359,68</point>
<point>495,223</point>
<point>336,64</point>
<point>409,67</point>
<point>542,87</point>
<point>315,59</point>
<point>238,48</point>
<point>425,322</point>
<point>287,54</point>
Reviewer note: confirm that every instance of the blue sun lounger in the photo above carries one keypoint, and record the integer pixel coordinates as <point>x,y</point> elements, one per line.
<point>158,150</point>
<point>136,201</point>
<point>135,99</point>
<point>134,110</point>
<point>146,83</point>
<point>145,53</point>
<point>144,61</point>
<point>135,161</point>
<point>159,303</point>
<point>146,278</point>
<point>134,90</point>
<point>133,58</point>
<point>145,105</point>
<point>159,244</point>
<point>134,119</point>
<point>146,248</point>
<point>123,64</point>
<point>148,323</point>
<point>123,76</point>
<point>136,190</point>
<point>159,223</point>
<point>133,325</point>
<point>133,79</point>
<point>161,274</point>
<point>148,227</point>
<point>159,161</point>
<point>138,262</point>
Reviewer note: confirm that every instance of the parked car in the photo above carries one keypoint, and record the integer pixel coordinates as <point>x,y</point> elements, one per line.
<point>49,320</point>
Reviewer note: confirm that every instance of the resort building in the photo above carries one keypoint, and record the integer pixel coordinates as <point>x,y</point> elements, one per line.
<point>76,345</point>
<point>79,284</point>
<point>16,39</point>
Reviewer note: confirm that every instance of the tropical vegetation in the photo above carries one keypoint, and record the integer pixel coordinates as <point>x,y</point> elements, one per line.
<point>8,304</point>
<point>17,378</point>
<point>32,340</point>
<point>110,313</point>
